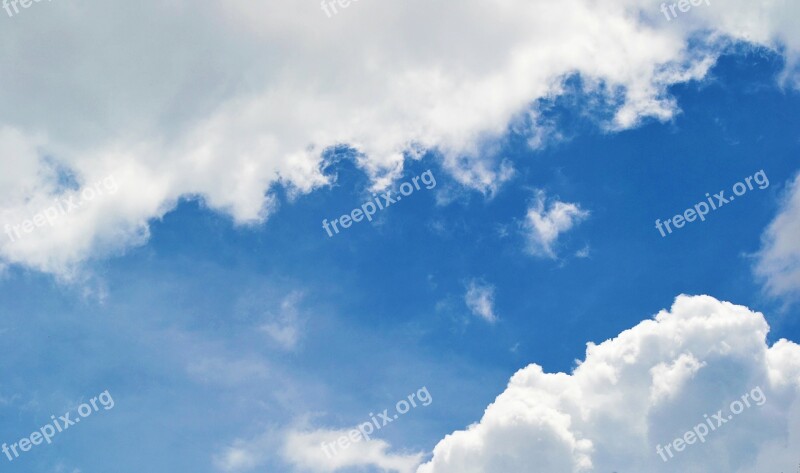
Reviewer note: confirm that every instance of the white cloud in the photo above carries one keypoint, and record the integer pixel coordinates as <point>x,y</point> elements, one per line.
<point>670,378</point>
<point>236,458</point>
<point>641,389</point>
<point>779,259</point>
<point>303,450</point>
<point>545,222</point>
<point>245,455</point>
<point>249,94</point>
<point>480,300</point>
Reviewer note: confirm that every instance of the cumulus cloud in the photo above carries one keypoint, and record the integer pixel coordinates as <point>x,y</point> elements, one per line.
<point>631,394</point>
<point>778,261</point>
<point>545,221</point>
<point>480,300</point>
<point>247,96</point>
<point>642,389</point>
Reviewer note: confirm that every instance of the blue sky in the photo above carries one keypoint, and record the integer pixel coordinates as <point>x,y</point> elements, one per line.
<point>221,326</point>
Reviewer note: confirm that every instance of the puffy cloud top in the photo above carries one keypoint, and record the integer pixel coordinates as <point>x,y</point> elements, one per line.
<point>641,390</point>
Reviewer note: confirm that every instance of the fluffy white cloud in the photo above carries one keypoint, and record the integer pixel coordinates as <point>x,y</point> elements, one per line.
<point>644,388</point>
<point>224,100</point>
<point>779,259</point>
<point>545,221</point>
<point>480,300</point>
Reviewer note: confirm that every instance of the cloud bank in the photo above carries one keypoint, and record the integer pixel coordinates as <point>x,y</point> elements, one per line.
<point>223,101</point>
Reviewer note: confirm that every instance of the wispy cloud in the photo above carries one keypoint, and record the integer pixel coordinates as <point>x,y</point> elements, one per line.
<point>302,449</point>
<point>546,221</point>
<point>778,261</point>
<point>480,300</point>
<point>284,327</point>
<point>245,455</point>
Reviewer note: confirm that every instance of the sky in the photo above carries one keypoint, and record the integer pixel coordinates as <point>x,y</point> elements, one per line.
<point>511,289</point>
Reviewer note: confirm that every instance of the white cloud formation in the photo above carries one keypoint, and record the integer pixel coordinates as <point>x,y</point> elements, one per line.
<point>224,100</point>
<point>545,221</point>
<point>644,388</point>
<point>480,300</point>
<point>236,458</point>
<point>670,378</point>
<point>779,259</point>
<point>303,450</point>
